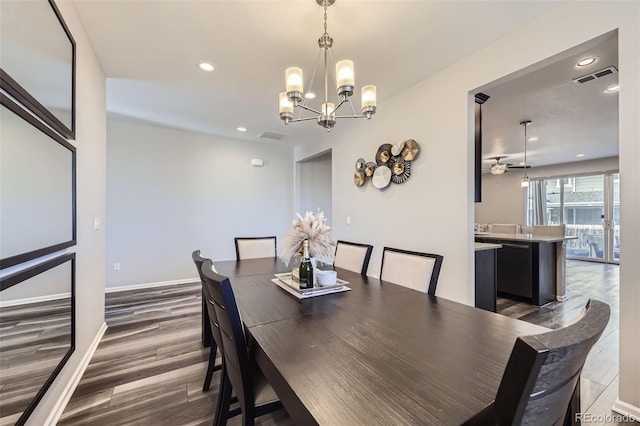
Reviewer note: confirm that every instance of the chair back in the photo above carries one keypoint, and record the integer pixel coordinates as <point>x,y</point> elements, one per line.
<point>234,345</point>
<point>542,372</point>
<point>412,269</point>
<point>499,228</point>
<point>213,321</point>
<point>549,230</point>
<point>254,247</point>
<point>526,229</point>
<point>352,256</point>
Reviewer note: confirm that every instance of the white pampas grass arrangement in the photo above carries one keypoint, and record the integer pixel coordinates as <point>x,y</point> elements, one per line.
<point>312,227</point>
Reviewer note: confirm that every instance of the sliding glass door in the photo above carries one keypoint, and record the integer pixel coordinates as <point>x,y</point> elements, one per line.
<point>589,206</point>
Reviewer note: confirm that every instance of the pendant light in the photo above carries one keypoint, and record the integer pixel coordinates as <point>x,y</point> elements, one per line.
<point>524,181</point>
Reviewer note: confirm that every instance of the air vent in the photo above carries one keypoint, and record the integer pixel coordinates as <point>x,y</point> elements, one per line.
<point>272,135</point>
<point>597,74</point>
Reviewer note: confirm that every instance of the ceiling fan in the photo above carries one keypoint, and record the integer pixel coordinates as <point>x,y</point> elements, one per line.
<point>499,168</point>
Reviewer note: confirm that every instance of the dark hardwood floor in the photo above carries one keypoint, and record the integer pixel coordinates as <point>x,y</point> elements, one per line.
<point>149,366</point>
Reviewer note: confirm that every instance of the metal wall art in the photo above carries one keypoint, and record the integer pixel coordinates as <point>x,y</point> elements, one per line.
<point>392,164</point>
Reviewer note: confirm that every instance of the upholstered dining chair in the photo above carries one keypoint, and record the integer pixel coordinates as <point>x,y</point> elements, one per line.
<point>541,377</point>
<point>352,256</point>
<point>412,269</point>
<point>211,368</point>
<point>253,247</point>
<point>255,395</point>
<point>499,228</point>
<point>549,230</point>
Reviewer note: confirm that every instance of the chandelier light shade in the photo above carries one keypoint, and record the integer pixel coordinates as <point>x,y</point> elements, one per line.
<point>296,98</point>
<point>524,181</point>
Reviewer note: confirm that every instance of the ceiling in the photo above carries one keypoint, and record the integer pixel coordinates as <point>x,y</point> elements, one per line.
<point>149,51</point>
<point>567,119</point>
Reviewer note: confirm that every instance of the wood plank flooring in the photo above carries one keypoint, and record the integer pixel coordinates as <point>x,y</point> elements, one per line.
<point>149,366</point>
<point>34,338</point>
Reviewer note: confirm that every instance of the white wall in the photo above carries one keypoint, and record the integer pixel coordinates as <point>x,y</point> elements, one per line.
<point>433,211</point>
<point>91,248</point>
<point>315,185</point>
<point>503,200</point>
<point>171,192</point>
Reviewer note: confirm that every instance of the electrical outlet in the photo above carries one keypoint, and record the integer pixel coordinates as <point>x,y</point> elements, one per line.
<point>116,266</point>
<point>348,220</point>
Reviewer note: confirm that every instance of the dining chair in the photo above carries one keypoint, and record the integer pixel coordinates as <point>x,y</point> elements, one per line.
<point>211,367</point>
<point>216,340</point>
<point>352,256</point>
<point>253,247</point>
<point>500,228</point>
<point>412,269</point>
<point>549,230</point>
<point>542,375</point>
<point>526,229</point>
<point>242,374</point>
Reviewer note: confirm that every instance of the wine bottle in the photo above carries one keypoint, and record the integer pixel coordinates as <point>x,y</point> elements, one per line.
<point>306,269</point>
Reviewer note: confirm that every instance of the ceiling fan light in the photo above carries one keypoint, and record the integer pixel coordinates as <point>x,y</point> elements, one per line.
<point>524,182</point>
<point>498,169</point>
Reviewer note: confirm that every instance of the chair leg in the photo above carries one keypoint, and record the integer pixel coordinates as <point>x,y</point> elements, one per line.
<point>211,367</point>
<point>224,399</point>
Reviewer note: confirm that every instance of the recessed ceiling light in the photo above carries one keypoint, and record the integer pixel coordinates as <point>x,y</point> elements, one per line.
<point>533,139</point>
<point>206,66</point>
<point>586,61</point>
<point>580,155</point>
<point>613,88</point>
<point>241,129</point>
<point>310,95</point>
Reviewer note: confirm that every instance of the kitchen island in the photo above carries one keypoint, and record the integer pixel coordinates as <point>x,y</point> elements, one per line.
<point>529,266</point>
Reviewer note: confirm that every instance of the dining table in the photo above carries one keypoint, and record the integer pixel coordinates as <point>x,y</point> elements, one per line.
<point>378,354</point>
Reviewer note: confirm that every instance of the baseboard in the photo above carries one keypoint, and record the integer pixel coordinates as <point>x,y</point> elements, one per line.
<point>30,300</point>
<point>562,298</point>
<point>626,409</point>
<point>66,394</point>
<point>150,285</point>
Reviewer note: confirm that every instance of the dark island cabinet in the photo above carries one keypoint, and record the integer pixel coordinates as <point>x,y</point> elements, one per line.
<point>485,280</point>
<point>526,269</point>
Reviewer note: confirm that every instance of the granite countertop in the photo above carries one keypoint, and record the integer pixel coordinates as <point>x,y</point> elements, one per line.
<point>487,246</point>
<point>524,237</point>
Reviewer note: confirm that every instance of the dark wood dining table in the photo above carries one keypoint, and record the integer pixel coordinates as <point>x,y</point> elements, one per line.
<point>380,354</point>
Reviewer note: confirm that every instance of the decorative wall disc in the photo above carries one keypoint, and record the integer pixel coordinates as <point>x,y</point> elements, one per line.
<point>392,164</point>
<point>383,154</point>
<point>400,169</point>
<point>410,150</point>
<point>381,177</point>
<point>397,148</point>
<point>369,169</point>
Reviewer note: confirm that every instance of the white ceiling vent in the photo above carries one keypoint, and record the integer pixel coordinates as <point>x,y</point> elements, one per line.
<point>272,135</point>
<point>597,74</point>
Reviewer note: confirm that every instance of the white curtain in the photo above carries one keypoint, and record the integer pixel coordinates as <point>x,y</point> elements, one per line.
<point>538,193</point>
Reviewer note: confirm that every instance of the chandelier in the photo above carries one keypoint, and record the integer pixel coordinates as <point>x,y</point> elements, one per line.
<point>296,98</point>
